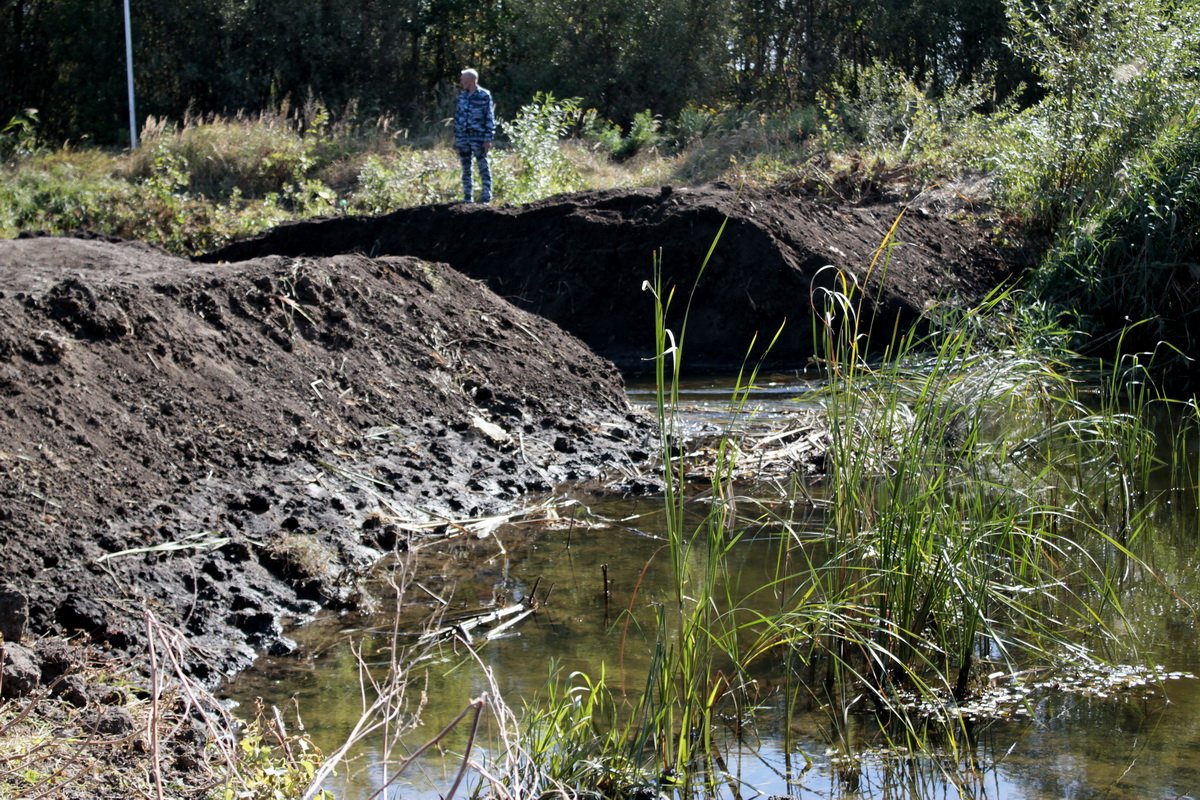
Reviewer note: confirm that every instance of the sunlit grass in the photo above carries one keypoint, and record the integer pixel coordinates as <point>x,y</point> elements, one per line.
<point>197,183</point>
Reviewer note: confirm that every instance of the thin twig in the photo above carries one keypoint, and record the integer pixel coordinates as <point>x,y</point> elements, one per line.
<point>155,752</point>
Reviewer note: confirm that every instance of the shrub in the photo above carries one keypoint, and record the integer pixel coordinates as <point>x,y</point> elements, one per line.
<point>535,134</point>
<point>1114,74</point>
<point>605,134</point>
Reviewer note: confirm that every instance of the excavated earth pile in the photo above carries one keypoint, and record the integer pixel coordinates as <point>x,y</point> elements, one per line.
<point>229,446</point>
<point>582,260</point>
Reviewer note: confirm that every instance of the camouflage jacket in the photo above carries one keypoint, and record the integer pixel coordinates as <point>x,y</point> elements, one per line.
<point>475,116</point>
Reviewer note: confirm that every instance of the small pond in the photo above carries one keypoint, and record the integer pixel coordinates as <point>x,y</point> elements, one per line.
<point>596,567</point>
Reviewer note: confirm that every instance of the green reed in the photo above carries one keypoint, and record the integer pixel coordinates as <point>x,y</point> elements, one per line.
<point>696,658</point>
<point>977,516</point>
<point>968,531</point>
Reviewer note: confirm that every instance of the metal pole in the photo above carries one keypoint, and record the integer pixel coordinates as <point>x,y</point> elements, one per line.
<point>133,142</point>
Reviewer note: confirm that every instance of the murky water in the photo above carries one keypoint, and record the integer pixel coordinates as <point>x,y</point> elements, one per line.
<point>598,584</point>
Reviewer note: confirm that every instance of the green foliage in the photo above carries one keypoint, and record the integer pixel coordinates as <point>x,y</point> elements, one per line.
<point>1114,74</point>
<point>272,765</point>
<point>604,134</point>
<point>70,191</point>
<point>693,123</point>
<point>575,741</point>
<point>18,137</point>
<point>1106,162</point>
<point>698,657</point>
<point>273,153</point>
<point>535,133</point>
<point>889,114</point>
<point>58,192</point>
<point>660,55</point>
<point>64,57</point>
<point>1132,257</point>
<point>643,134</point>
<point>946,526</point>
<point>963,534</point>
<point>404,179</point>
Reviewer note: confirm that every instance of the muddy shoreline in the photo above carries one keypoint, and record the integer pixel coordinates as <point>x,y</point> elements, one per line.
<point>220,448</point>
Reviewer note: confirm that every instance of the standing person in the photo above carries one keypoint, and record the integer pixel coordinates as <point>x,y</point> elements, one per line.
<point>474,127</point>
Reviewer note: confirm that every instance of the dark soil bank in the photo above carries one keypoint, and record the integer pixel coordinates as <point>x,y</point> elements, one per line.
<point>581,260</point>
<point>231,445</point>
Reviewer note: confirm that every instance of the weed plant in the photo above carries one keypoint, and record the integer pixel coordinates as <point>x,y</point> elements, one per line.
<point>535,134</point>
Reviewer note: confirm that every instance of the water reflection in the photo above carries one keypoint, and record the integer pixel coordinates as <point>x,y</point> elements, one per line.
<point>597,586</point>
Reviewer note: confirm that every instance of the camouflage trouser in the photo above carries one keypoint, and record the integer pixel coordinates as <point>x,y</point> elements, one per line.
<point>473,148</point>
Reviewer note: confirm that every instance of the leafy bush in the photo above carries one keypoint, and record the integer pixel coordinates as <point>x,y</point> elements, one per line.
<point>890,114</point>
<point>58,192</point>
<point>605,133</point>
<point>272,764</point>
<point>1114,73</point>
<point>535,134</point>
<point>693,124</point>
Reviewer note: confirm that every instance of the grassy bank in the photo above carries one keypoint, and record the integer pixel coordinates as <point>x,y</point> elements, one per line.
<point>195,184</point>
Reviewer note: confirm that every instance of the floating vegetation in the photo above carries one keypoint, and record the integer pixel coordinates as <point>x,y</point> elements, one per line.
<point>1012,696</point>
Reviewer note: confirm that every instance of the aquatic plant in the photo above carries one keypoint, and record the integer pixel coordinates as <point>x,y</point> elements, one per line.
<point>697,658</point>
<point>976,520</point>
<point>956,547</point>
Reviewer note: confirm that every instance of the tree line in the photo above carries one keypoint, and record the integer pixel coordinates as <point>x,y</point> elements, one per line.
<point>401,58</point>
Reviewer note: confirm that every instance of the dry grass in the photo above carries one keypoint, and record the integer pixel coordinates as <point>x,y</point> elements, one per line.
<point>128,740</point>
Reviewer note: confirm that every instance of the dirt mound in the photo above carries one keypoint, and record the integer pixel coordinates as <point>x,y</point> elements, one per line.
<point>581,260</point>
<point>232,445</point>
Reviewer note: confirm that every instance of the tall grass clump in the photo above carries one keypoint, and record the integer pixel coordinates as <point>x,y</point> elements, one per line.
<point>148,197</point>
<point>970,521</point>
<point>582,737</point>
<point>60,191</point>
